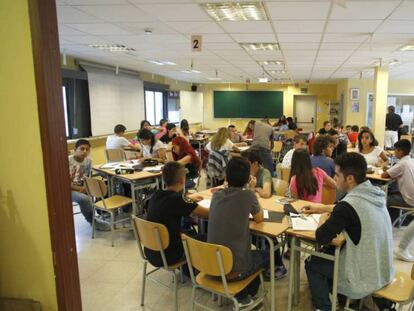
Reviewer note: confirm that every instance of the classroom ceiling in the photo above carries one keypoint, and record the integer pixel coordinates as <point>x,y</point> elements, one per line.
<point>319,40</point>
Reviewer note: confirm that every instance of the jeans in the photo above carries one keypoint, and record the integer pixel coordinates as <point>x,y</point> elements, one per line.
<point>395,199</point>
<point>266,158</point>
<point>260,260</point>
<point>84,204</point>
<point>320,273</point>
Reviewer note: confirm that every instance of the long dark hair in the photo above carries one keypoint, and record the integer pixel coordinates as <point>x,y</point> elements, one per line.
<point>185,128</point>
<point>306,182</point>
<point>147,134</point>
<point>143,122</point>
<point>373,143</point>
<point>247,126</point>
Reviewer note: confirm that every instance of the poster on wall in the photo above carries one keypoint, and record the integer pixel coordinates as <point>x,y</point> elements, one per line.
<point>354,94</point>
<point>355,106</point>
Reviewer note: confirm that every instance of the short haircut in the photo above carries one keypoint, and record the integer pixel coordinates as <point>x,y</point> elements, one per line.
<point>333,132</point>
<point>352,163</point>
<point>289,119</point>
<point>170,126</point>
<point>238,172</point>
<point>119,128</point>
<point>172,172</point>
<point>403,145</point>
<point>355,128</point>
<point>81,142</point>
<point>321,143</point>
<point>298,138</point>
<point>391,108</point>
<point>251,156</point>
<point>162,121</point>
<point>325,123</point>
<point>348,126</point>
<point>231,126</point>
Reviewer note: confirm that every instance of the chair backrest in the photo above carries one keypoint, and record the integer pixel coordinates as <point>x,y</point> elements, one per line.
<point>115,155</point>
<point>204,256</point>
<point>96,188</point>
<point>328,195</point>
<point>280,186</point>
<point>277,146</point>
<point>284,174</point>
<point>150,234</point>
<point>408,137</point>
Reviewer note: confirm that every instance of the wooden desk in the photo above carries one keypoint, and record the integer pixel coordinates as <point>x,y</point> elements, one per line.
<point>138,181</point>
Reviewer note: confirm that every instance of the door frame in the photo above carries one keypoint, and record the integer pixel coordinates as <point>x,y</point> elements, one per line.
<point>48,79</point>
<point>316,107</point>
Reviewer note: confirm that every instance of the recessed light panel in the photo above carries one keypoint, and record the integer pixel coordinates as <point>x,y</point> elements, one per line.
<point>266,46</point>
<point>111,47</point>
<point>161,63</point>
<point>409,47</point>
<point>238,11</point>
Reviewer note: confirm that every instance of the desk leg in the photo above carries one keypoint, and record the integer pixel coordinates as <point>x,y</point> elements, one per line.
<point>335,278</point>
<point>296,270</point>
<point>272,273</point>
<point>134,200</point>
<point>291,272</point>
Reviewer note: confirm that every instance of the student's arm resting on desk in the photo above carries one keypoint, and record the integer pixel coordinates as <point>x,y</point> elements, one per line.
<point>201,211</point>
<point>266,191</point>
<point>329,182</point>
<point>342,217</point>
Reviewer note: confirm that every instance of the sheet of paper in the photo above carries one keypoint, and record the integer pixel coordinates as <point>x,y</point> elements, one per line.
<point>109,165</point>
<point>153,168</point>
<point>305,223</point>
<point>266,214</point>
<point>244,148</point>
<point>205,203</point>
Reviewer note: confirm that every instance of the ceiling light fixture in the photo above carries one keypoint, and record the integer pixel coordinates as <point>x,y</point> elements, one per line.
<point>258,46</point>
<point>239,11</point>
<point>111,47</point>
<point>407,48</point>
<point>271,63</point>
<point>148,31</point>
<point>161,63</point>
<point>263,80</point>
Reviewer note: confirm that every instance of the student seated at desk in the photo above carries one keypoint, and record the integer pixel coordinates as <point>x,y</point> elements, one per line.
<point>168,207</point>
<point>150,147</point>
<point>221,142</point>
<point>291,124</point>
<point>183,153</point>
<point>327,126</point>
<point>171,132</point>
<point>368,147</point>
<point>145,125</point>
<point>299,142</point>
<point>366,262</point>
<point>322,153</point>
<point>80,167</point>
<point>235,136</point>
<point>403,173</point>
<point>118,141</point>
<point>185,130</point>
<point>306,183</point>
<point>260,178</point>
<point>228,225</point>
<point>248,131</point>
<point>162,129</point>
<point>353,135</point>
<point>341,144</point>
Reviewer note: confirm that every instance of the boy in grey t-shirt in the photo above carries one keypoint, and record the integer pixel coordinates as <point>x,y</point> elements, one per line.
<point>229,226</point>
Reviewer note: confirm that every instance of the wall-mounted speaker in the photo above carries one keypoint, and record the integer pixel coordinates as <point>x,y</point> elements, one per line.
<point>194,88</point>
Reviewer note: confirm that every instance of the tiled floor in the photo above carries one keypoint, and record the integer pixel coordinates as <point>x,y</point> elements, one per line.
<point>111,277</point>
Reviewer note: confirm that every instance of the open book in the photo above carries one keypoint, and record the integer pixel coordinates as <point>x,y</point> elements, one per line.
<point>301,222</point>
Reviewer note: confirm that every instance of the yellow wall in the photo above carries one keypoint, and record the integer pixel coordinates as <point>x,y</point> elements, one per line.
<point>26,267</point>
<point>323,92</point>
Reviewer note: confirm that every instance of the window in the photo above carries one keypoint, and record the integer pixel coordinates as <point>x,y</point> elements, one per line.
<point>154,106</point>
<point>65,109</point>
<point>173,106</point>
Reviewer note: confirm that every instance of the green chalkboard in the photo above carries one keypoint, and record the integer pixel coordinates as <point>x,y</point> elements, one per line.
<point>248,104</point>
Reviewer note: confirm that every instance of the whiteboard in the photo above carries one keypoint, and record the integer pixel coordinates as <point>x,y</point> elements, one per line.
<point>114,99</point>
<point>191,106</point>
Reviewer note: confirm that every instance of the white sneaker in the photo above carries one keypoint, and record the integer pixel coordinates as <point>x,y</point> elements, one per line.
<point>403,255</point>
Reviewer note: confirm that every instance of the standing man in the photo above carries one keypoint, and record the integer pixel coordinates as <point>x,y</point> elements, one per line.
<point>393,123</point>
<point>263,143</point>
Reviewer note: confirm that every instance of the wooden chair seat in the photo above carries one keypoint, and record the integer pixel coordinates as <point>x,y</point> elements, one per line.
<point>177,265</point>
<point>215,283</point>
<point>399,290</point>
<point>113,202</point>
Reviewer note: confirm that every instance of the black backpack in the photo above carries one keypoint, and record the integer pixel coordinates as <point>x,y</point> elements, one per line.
<point>384,304</point>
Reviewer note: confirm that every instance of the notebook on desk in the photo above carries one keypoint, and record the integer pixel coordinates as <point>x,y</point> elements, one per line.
<point>305,223</point>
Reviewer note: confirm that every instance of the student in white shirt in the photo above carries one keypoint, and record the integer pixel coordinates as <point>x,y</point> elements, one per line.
<point>403,173</point>
<point>368,147</point>
<point>118,141</point>
<point>221,142</point>
<point>150,147</point>
<point>299,142</point>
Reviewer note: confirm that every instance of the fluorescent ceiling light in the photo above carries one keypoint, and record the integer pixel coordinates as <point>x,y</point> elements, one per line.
<point>408,47</point>
<point>161,63</point>
<point>190,71</point>
<point>111,47</point>
<point>271,63</point>
<point>238,11</point>
<point>214,79</point>
<point>263,80</point>
<point>266,46</point>
<point>279,72</point>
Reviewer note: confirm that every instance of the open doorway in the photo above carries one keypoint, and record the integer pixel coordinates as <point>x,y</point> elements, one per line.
<point>304,111</point>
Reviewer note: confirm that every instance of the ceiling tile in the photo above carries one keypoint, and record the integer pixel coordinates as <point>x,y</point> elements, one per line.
<point>299,26</point>
<point>360,26</point>
<point>217,38</point>
<point>349,46</point>
<point>298,10</point>
<point>116,13</point>
<point>68,14</point>
<point>99,29</point>
<point>196,27</point>
<point>95,2</point>
<point>287,46</point>
<point>175,12</point>
<point>139,28</point>
<point>299,37</point>
<point>341,37</point>
<point>364,10</point>
<point>246,38</point>
<point>397,27</point>
<point>87,39</point>
<point>247,27</point>
<point>217,47</point>
<point>404,11</point>
<point>64,31</point>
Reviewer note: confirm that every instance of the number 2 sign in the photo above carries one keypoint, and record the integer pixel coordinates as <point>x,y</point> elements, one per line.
<point>196,42</point>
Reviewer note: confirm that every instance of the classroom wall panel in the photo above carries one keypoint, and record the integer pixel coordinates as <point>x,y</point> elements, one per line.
<point>114,99</point>
<point>191,106</point>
